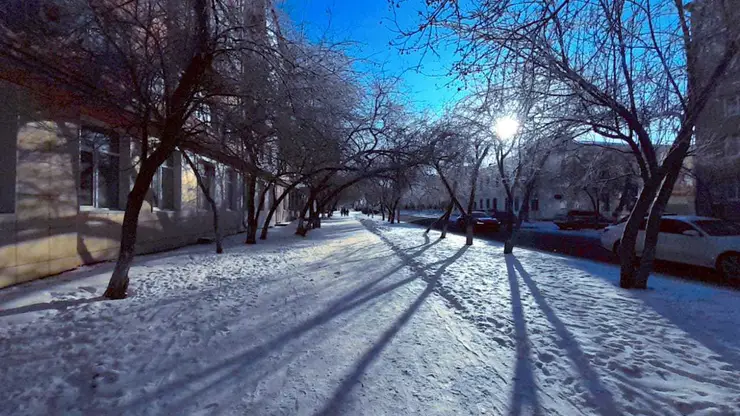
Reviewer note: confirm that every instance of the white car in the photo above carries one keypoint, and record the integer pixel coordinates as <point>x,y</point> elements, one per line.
<point>699,241</point>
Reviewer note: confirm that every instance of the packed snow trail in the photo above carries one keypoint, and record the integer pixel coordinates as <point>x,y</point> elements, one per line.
<point>362,318</point>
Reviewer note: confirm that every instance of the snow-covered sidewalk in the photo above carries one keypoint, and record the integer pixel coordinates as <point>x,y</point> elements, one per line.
<point>365,318</point>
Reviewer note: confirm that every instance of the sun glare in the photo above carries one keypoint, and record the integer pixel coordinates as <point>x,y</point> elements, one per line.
<point>506,127</point>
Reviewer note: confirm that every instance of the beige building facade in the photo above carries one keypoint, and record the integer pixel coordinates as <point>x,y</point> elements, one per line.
<point>64,180</point>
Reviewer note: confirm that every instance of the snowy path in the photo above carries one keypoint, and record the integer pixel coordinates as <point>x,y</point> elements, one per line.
<point>371,320</point>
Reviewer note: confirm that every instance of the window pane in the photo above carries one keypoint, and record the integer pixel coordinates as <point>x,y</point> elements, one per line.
<point>719,227</point>
<point>108,144</point>
<point>8,143</point>
<point>107,181</point>
<point>170,161</point>
<point>168,188</point>
<point>156,197</point>
<point>86,178</point>
<point>208,175</point>
<point>88,138</point>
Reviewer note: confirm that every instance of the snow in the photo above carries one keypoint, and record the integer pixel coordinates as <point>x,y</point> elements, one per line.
<point>365,318</point>
<point>427,213</point>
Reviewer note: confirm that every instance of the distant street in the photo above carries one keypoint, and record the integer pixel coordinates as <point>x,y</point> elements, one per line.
<point>584,244</point>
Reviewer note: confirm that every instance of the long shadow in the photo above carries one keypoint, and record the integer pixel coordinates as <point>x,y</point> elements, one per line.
<point>229,367</point>
<point>602,397</point>
<point>524,393</point>
<point>345,304</point>
<point>60,304</point>
<point>335,403</point>
<point>719,337</point>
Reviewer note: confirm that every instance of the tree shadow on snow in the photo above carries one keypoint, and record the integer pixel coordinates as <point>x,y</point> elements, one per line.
<point>714,334</point>
<point>601,397</point>
<point>336,402</point>
<point>524,393</point>
<point>55,305</point>
<point>221,375</point>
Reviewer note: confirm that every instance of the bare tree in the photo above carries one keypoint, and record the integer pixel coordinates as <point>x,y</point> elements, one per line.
<point>207,191</point>
<point>636,68</point>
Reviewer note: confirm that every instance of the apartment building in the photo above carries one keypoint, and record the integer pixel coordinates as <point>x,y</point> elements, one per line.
<point>718,127</point>
<point>601,187</point>
<point>64,180</point>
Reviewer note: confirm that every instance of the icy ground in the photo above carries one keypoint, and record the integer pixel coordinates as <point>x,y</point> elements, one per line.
<point>369,319</point>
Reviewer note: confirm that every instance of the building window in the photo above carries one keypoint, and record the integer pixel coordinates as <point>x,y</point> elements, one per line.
<point>9,145</point>
<point>495,204</point>
<point>232,196</point>
<point>732,106</point>
<point>535,204</point>
<point>516,204</point>
<point>203,111</point>
<point>488,203</point>
<point>208,175</point>
<point>474,205</point>
<point>163,185</point>
<point>481,203</point>
<point>99,169</point>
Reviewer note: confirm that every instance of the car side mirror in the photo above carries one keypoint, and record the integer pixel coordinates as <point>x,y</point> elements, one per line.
<point>691,233</point>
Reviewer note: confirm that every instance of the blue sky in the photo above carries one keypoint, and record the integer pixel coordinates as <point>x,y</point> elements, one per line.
<point>370,23</point>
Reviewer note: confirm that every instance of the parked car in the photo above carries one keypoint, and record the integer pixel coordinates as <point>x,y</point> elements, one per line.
<point>503,216</point>
<point>577,220</point>
<point>482,220</point>
<point>698,241</point>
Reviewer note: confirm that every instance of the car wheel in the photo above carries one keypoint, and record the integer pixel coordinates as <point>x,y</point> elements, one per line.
<point>729,266</point>
<point>615,249</point>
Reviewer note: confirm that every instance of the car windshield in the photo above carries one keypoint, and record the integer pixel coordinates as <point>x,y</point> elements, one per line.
<point>479,214</point>
<point>719,228</point>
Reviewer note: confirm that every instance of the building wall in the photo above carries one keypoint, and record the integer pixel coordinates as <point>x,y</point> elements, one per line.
<point>43,228</point>
<point>718,126</point>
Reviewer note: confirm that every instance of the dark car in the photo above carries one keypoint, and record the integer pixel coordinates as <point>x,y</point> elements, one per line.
<point>482,220</point>
<point>578,220</point>
<point>504,217</point>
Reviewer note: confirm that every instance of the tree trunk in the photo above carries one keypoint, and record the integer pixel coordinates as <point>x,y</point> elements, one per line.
<point>118,283</point>
<point>311,215</point>
<point>516,225</point>
<point>273,207</point>
<point>469,232</point>
<point>445,224</point>
<point>509,241</point>
<point>251,210</point>
<point>316,216</point>
<point>444,217</point>
<point>216,228</point>
<point>653,227</point>
<point>211,202</point>
<point>301,229</point>
<point>628,242</point>
<point>626,191</point>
